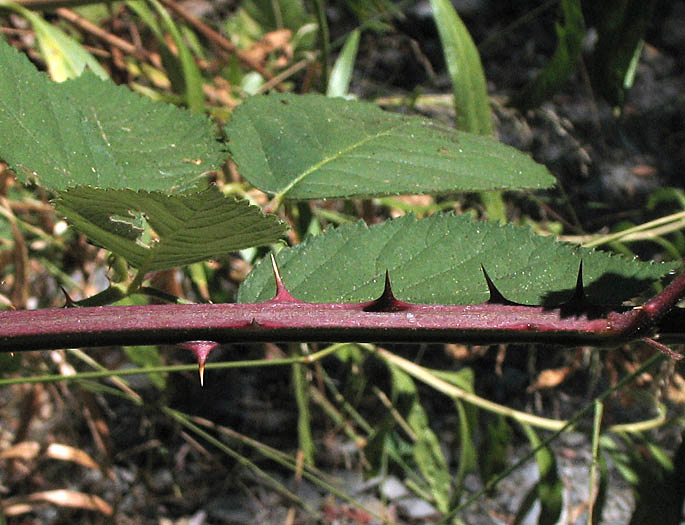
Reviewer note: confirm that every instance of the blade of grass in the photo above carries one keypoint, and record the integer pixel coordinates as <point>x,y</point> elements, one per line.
<point>324,37</point>
<point>426,447</point>
<point>64,56</point>
<point>192,78</point>
<point>341,74</point>
<point>652,361</point>
<point>642,232</point>
<point>309,472</point>
<point>465,70</point>
<point>301,388</point>
<point>561,66</point>
<point>596,434</point>
<point>54,378</point>
<point>219,40</point>
<point>184,420</point>
<point>548,489</point>
<point>469,87</point>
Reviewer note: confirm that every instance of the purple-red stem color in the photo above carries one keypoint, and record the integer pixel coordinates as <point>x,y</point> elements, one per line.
<point>386,319</point>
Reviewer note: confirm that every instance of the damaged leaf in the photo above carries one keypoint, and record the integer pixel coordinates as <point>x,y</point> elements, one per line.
<point>155,231</point>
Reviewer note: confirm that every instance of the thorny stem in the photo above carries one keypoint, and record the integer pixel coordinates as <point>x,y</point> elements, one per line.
<point>285,318</point>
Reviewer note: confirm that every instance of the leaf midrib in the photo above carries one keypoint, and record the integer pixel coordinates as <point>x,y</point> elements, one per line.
<point>281,194</point>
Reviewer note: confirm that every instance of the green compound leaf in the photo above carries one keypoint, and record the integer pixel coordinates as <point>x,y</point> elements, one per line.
<point>437,260</point>
<point>87,131</point>
<point>154,231</point>
<point>312,147</point>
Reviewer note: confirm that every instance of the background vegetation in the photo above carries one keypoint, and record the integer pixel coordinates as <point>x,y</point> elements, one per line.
<point>354,433</point>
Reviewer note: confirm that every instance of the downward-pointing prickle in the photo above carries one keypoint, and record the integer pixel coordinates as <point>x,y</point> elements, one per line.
<point>201,349</point>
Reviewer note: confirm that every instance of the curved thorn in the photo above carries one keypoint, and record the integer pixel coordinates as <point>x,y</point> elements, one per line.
<point>69,302</point>
<point>201,349</point>
<point>387,302</point>
<point>496,296</point>
<point>282,294</point>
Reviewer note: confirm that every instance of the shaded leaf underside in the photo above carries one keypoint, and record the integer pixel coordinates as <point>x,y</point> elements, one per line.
<point>312,147</point>
<point>153,231</point>
<point>437,261</point>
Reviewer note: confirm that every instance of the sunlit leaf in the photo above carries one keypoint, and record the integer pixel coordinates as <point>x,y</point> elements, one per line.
<point>548,490</point>
<point>341,74</point>
<point>438,260</point>
<point>87,131</point>
<point>426,448</point>
<point>311,147</point>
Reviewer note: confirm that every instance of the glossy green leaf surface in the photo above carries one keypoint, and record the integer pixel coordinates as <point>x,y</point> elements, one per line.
<point>465,70</point>
<point>87,131</point>
<point>437,260</point>
<point>154,231</point>
<point>312,147</point>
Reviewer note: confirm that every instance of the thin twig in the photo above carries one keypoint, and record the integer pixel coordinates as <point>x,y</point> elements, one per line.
<point>645,231</point>
<point>19,293</point>
<point>275,81</point>
<point>111,39</point>
<point>219,40</point>
<point>53,4</point>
